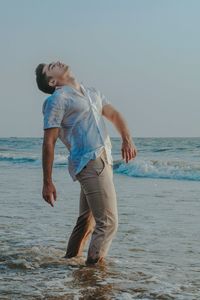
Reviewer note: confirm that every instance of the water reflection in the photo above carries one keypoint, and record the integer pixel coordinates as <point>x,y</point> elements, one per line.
<point>92,282</point>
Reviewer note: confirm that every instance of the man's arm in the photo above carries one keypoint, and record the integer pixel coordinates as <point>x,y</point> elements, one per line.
<point>128,149</point>
<point>49,141</point>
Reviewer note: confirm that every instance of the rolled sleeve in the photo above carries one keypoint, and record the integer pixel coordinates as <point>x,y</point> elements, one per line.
<point>104,99</point>
<point>53,111</point>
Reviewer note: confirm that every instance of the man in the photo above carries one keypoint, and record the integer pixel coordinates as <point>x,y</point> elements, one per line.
<point>74,113</point>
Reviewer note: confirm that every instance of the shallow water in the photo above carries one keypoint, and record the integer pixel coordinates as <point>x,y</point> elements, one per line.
<point>155,254</point>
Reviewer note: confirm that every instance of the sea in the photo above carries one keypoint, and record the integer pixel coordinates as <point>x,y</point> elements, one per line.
<point>156,251</point>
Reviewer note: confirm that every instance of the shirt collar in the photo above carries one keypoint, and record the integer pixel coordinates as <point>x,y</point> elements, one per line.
<point>71,89</point>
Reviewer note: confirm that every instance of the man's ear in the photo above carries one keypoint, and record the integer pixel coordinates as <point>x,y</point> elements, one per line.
<point>52,82</point>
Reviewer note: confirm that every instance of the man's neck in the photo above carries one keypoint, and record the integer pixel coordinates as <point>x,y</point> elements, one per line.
<point>73,83</point>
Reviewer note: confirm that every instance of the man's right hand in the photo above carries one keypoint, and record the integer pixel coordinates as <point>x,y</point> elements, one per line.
<point>49,193</point>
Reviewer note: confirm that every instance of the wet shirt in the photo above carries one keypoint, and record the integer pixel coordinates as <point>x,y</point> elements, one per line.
<point>82,127</point>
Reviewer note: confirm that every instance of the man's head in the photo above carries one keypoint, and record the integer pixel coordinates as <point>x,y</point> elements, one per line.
<point>50,76</point>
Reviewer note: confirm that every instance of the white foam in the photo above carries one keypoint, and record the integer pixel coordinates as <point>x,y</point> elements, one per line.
<point>169,169</point>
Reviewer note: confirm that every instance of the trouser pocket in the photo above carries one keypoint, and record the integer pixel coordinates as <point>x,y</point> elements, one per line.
<point>99,165</point>
<point>93,167</point>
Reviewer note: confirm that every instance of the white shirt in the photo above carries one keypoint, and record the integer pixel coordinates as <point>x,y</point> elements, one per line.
<point>82,126</point>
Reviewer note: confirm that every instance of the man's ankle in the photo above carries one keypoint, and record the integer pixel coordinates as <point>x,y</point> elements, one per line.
<point>94,261</point>
<point>91,261</point>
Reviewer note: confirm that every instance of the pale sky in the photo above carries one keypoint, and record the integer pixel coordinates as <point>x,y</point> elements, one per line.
<point>144,56</point>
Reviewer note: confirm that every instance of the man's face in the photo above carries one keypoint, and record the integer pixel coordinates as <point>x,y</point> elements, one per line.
<point>58,72</point>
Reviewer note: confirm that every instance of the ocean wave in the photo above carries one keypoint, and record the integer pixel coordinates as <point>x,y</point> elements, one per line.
<point>161,150</point>
<point>147,168</point>
<point>168,169</point>
<point>16,158</point>
<point>60,160</point>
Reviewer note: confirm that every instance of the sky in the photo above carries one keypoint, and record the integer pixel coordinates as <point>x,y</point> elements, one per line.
<point>143,55</point>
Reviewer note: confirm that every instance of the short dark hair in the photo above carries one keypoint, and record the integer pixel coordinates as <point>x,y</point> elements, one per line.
<point>43,80</point>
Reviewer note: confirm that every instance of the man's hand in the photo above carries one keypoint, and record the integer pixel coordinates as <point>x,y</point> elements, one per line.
<point>49,193</point>
<point>128,150</point>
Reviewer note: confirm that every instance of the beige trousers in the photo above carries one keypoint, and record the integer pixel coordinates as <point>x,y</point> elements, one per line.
<point>97,211</point>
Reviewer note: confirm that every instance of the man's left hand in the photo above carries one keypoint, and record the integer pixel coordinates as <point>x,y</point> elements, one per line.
<point>128,150</point>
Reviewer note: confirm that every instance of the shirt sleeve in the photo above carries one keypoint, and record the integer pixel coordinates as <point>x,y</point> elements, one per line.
<point>53,111</point>
<point>104,99</point>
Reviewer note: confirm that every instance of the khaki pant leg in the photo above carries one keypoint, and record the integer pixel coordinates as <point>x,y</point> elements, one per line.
<point>82,230</point>
<point>97,183</point>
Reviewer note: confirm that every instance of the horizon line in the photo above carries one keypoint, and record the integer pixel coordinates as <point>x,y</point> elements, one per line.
<point>112,137</point>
